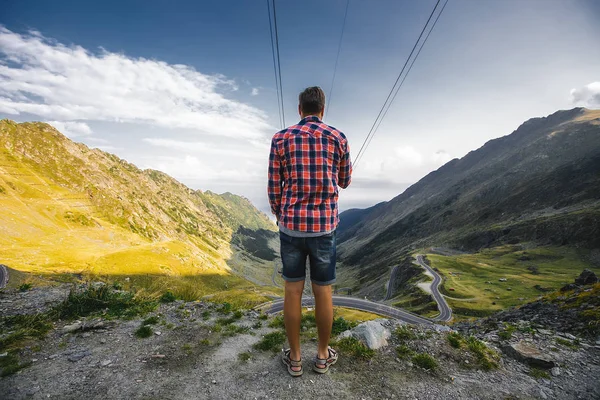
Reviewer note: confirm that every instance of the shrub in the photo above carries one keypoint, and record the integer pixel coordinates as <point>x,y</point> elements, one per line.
<point>425,361</point>
<point>341,325</point>
<point>403,351</point>
<point>25,287</point>
<point>404,333</point>
<point>143,331</point>
<point>354,347</point>
<point>103,299</point>
<point>153,320</point>
<point>506,332</point>
<point>538,373</point>
<point>271,341</point>
<point>168,297</point>
<point>455,339</point>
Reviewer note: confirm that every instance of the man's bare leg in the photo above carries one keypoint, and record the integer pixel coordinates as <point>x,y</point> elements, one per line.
<point>324,317</point>
<point>292,316</point>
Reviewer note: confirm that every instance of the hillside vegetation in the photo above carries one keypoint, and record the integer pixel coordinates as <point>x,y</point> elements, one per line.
<point>538,187</point>
<point>67,208</point>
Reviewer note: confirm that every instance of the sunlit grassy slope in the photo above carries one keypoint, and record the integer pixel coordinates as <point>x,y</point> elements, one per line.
<point>529,273</point>
<point>65,208</point>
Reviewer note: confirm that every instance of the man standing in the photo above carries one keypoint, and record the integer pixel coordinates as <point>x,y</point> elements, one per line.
<point>308,161</point>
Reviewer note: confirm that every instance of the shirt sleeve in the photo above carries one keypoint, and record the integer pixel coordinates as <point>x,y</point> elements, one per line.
<point>345,170</point>
<point>275,177</point>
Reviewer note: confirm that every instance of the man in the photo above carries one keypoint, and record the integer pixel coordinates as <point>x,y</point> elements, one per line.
<point>308,161</point>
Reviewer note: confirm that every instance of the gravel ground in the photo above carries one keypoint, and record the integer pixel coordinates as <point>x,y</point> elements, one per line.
<point>185,359</point>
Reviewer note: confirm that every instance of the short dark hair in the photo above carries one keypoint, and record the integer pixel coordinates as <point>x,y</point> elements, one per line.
<point>312,100</point>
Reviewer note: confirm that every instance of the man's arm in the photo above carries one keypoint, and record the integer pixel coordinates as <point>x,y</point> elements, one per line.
<point>345,171</point>
<point>274,185</point>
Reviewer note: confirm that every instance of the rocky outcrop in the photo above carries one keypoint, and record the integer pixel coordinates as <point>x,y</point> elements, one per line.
<point>374,334</point>
<point>587,277</point>
<point>528,354</point>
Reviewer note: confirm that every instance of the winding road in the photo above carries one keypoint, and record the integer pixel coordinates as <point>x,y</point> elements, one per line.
<point>445,310</point>
<point>3,275</point>
<point>388,294</point>
<point>276,306</point>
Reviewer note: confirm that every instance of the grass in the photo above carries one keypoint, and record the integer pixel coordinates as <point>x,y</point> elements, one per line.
<point>245,356</point>
<point>507,331</point>
<point>404,333</point>
<point>403,351</point>
<point>353,347</point>
<point>143,331</point>
<point>455,339</point>
<point>168,297</point>
<point>567,343</point>
<point>153,320</point>
<point>205,315</point>
<point>467,274</point>
<point>232,330</point>
<point>341,325</point>
<point>485,356</point>
<point>538,373</point>
<point>271,342</point>
<point>25,287</point>
<point>425,361</point>
<point>103,300</point>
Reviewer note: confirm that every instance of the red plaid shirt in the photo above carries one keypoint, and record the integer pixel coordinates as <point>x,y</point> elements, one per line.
<point>308,161</point>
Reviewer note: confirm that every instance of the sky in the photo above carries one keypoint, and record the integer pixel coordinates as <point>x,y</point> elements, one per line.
<point>188,87</point>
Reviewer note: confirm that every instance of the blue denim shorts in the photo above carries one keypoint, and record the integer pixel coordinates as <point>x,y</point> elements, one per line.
<point>320,251</point>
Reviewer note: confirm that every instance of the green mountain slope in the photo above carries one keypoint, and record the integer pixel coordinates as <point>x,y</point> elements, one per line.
<point>538,185</point>
<point>67,208</point>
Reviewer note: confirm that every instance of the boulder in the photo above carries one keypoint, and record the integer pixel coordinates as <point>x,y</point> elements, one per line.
<point>528,354</point>
<point>587,277</point>
<point>374,334</point>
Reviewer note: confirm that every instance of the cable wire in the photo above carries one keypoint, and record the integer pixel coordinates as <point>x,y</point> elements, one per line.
<point>337,59</point>
<point>275,65</point>
<point>278,62</point>
<point>379,115</point>
<point>403,79</point>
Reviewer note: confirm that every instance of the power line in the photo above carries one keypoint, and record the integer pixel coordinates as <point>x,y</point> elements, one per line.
<point>403,79</point>
<point>275,66</point>
<point>395,88</point>
<point>278,61</point>
<point>337,58</point>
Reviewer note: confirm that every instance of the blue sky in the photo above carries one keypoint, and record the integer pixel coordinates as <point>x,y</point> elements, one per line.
<point>188,87</point>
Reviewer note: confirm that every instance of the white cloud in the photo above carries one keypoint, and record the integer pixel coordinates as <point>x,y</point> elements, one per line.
<point>255,92</point>
<point>587,96</point>
<point>209,150</point>
<point>72,129</point>
<point>67,82</point>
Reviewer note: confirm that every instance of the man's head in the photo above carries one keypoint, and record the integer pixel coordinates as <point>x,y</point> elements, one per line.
<point>311,102</point>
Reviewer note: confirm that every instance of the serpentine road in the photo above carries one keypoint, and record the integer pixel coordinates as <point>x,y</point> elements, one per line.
<point>3,276</point>
<point>276,306</point>
<point>445,310</point>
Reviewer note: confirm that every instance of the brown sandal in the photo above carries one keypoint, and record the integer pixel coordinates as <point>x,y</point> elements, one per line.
<point>327,362</point>
<point>289,363</point>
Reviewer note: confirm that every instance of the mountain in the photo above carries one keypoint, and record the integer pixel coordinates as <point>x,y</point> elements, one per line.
<point>540,184</point>
<point>67,208</point>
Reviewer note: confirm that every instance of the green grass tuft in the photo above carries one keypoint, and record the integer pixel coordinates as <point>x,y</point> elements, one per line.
<point>354,348</point>
<point>455,339</point>
<point>403,351</point>
<point>143,331</point>
<point>271,341</point>
<point>425,361</point>
<point>341,325</point>
<point>485,356</point>
<point>153,320</point>
<point>245,356</point>
<point>405,333</point>
<point>25,287</point>
<point>538,373</point>
<point>168,297</point>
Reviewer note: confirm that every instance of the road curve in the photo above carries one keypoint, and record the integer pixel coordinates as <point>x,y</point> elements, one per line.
<point>445,310</point>
<point>3,276</point>
<point>276,306</point>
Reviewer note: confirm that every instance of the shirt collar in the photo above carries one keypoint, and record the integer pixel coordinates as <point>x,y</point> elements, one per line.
<point>310,118</point>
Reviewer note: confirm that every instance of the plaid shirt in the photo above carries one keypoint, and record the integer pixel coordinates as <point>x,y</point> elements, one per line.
<point>308,161</point>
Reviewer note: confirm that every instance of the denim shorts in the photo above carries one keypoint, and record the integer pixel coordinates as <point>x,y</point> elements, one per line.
<point>320,251</point>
